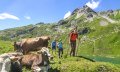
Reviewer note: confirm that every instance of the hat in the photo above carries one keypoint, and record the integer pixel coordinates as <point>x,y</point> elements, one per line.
<point>60,40</point>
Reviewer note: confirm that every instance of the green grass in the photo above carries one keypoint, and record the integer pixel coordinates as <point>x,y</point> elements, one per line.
<point>6,46</point>
<point>67,63</point>
<point>76,64</point>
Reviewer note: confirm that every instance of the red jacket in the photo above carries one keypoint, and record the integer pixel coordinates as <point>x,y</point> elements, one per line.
<point>73,36</point>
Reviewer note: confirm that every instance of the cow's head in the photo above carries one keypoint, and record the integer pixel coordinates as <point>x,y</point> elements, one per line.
<point>17,46</point>
<point>46,52</point>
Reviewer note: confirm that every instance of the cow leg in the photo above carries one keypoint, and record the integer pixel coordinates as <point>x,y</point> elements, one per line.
<point>36,69</point>
<point>16,67</point>
<point>45,68</point>
<point>48,67</point>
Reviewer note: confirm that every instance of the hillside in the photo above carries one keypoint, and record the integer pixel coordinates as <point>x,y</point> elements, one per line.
<point>97,30</point>
<point>99,34</point>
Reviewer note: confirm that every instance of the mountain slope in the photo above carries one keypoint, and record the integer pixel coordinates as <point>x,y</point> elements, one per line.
<point>99,34</point>
<point>99,31</point>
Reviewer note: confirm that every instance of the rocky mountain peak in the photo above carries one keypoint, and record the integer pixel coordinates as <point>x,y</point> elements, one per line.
<point>84,9</point>
<point>75,11</point>
<point>88,9</point>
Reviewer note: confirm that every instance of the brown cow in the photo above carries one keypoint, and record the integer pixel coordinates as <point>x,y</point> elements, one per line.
<point>32,44</point>
<point>36,61</point>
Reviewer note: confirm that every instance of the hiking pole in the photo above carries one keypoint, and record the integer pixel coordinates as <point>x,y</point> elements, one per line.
<point>77,47</point>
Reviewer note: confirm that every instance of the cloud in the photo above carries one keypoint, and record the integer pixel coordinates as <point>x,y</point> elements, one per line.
<point>4,16</point>
<point>67,14</point>
<point>93,4</point>
<point>27,17</point>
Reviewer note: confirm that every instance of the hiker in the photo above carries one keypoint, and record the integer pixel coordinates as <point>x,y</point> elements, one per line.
<point>54,45</point>
<point>60,48</point>
<point>73,36</point>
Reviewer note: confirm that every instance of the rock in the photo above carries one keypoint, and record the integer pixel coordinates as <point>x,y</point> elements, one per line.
<point>83,31</point>
<point>103,23</point>
<point>62,22</point>
<point>110,11</point>
<point>76,10</point>
<point>89,15</point>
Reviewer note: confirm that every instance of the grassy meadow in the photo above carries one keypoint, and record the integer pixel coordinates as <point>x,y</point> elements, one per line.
<point>71,64</point>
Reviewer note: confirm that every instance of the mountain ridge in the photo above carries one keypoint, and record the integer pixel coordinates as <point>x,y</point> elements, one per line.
<point>83,15</point>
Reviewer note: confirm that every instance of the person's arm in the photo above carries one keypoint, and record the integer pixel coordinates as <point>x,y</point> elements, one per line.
<point>62,44</point>
<point>56,45</point>
<point>69,37</point>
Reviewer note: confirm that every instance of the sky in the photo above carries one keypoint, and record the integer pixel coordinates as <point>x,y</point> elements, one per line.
<point>16,13</point>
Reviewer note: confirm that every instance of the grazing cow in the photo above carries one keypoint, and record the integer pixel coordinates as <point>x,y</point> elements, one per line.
<point>9,62</point>
<point>37,61</point>
<point>32,44</point>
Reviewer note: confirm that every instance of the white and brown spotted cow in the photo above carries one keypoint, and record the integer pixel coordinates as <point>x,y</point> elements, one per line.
<point>9,62</point>
<point>37,61</point>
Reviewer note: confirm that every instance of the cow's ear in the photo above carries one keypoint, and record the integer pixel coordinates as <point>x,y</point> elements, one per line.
<point>48,38</point>
<point>39,52</point>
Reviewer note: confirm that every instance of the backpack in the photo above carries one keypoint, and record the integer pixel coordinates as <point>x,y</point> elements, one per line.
<point>60,45</point>
<point>53,43</point>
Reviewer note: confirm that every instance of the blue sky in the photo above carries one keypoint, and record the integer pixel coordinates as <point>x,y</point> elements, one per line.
<point>15,13</point>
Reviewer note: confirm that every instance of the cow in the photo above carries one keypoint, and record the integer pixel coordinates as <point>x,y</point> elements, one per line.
<point>31,44</point>
<point>9,62</point>
<point>37,61</point>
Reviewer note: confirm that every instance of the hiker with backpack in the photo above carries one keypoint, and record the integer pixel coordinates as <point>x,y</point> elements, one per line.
<point>73,36</point>
<point>60,48</point>
<point>54,45</point>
